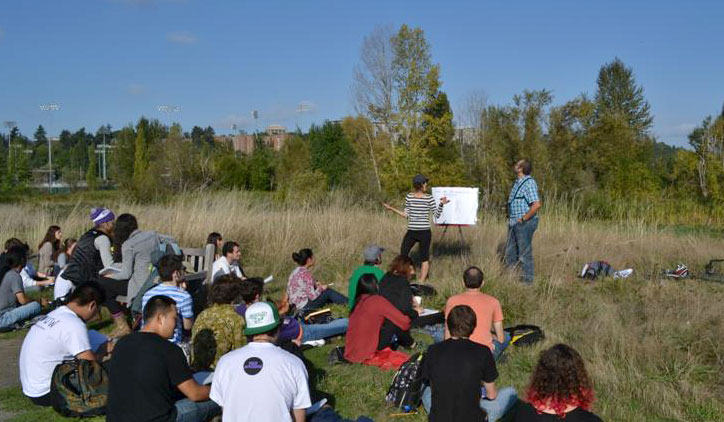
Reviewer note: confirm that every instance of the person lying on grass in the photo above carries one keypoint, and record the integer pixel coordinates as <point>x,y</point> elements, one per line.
<point>147,373</point>
<point>455,370</point>
<point>61,335</point>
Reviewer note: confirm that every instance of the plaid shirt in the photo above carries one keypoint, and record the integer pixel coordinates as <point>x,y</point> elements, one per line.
<point>526,195</point>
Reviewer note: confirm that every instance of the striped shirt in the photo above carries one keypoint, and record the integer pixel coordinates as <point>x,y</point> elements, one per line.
<point>184,305</point>
<point>418,211</point>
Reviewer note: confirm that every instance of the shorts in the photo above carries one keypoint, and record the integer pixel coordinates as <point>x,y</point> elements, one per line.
<point>424,237</point>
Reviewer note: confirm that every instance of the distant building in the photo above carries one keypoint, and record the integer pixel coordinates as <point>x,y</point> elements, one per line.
<point>274,137</point>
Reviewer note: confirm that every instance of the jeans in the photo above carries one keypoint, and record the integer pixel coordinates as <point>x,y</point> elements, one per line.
<point>496,409</point>
<point>500,347</point>
<point>436,331</point>
<point>319,331</point>
<point>191,411</point>
<point>20,314</point>
<point>327,296</point>
<point>519,247</point>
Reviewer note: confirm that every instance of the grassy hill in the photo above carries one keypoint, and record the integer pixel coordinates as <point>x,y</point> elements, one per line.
<point>652,346</point>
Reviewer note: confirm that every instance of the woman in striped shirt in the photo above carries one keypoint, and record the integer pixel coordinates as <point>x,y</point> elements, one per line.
<point>418,206</point>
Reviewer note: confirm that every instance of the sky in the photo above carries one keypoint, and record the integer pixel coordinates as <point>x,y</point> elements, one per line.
<point>112,61</point>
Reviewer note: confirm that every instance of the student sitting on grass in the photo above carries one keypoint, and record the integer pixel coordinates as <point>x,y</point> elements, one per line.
<point>303,290</point>
<point>372,261</point>
<point>15,306</point>
<point>147,373</point>
<point>218,329</point>
<point>32,280</point>
<point>291,329</point>
<point>261,382</point>
<point>217,241</point>
<point>48,249</point>
<point>365,337</point>
<point>487,312</point>
<point>171,271</point>
<point>455,370</point>
<point>228,263</point>
<point>560,389</point>
<point>62,335</point>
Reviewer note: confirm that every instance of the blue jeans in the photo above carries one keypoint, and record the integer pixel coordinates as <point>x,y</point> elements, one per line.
<point>500,347</point>
<point>519,247</point>
<point>320,331</point>
<point>327,296</point>
<point>495,409</point>
<point>20,314</point>
<point>191,411</point>
<point>436,331</point>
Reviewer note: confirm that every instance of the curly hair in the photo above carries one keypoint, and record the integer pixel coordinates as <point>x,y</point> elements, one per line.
<point>560,380</point>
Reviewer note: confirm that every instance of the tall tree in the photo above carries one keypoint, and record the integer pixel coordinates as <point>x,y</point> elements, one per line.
<point>619,94</point>
<point>91,175</point>
<point>141,155</point>
<point>331,152</point>
<point>40,134</point>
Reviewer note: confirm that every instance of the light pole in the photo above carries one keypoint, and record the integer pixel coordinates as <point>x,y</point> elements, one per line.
<point>50,107</point>
<point>104,173</point>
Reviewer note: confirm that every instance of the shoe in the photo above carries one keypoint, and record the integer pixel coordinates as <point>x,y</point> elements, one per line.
<point>315,343</point>
<point>623,273</point>
<point>584,270</point>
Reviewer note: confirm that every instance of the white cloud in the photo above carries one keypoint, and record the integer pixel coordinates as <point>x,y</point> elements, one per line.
<point>181,37</point>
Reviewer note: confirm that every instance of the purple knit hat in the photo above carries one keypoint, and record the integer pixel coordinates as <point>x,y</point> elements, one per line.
<point>101,215</point>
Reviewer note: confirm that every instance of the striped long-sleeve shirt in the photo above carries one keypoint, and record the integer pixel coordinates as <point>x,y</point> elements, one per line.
<point>418,211</point>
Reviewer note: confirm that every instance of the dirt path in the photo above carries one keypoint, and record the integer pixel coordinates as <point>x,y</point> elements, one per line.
<point>9,351</point>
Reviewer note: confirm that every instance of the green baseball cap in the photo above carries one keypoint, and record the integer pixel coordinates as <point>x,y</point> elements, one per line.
<point>261,317</point>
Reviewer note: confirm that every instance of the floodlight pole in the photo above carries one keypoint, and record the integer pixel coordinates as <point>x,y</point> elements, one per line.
<point>10,124</point>
<point>49,108</point>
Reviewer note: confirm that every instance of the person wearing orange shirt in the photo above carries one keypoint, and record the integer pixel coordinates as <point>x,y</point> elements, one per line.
<point>487,312</point>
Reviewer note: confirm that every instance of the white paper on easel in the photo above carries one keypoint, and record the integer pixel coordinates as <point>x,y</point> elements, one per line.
<point>462,208</point>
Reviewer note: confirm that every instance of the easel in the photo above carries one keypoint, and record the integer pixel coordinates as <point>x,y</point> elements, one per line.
<point>460,234</point>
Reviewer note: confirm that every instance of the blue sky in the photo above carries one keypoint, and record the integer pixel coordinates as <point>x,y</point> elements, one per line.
<point>111,61</point>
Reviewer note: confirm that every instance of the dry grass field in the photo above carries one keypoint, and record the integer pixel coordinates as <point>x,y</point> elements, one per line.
<point>653,346</point>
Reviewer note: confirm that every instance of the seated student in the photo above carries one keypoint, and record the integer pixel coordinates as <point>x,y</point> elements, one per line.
<point>487,312</point>
<point>93,253</point>
<point>261,382</point>
<point>64,254</point>
<point>365,337</point>
<point>371,265</point>
<point>150,379</point>
<point>63,287</point>
<point>60,336</point>
<point>32,280</point>
<point>132,248</point>
<point>228,263</point>
<point>15,307</point>
<point>455,370</point>
<point>560,389</point>
<point>291,329</point>
<point>303,290</point>
<point>171,271</point>
<point>395,287</point>
<point>218,329</point>
<point>218,241</point>
<point>48,249</point>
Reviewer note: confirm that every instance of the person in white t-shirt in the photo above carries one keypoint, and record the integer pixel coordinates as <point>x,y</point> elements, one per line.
<point>60,336</point>
<point>229,262</point>
<point>261,382</point>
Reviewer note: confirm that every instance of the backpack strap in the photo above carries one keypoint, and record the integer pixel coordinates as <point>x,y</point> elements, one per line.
<point>515,195</point>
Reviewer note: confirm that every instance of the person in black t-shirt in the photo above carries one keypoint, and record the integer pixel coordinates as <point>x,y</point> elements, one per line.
<point>150,379</point>
<point>455,371</point>
<point>560,389</point>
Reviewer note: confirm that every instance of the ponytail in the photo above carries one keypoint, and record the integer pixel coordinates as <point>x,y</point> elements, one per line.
<point>302,256</point>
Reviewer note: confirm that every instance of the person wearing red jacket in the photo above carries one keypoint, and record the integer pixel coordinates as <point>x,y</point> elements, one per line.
<point>365,322</point>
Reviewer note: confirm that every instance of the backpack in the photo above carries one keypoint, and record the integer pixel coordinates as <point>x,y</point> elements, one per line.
<point>525,335</point>
<point>422,289</point>
<point>594,269</point>
<point>406,389</point>
<point>79,388</point>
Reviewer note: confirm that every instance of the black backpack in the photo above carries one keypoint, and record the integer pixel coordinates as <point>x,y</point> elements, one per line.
<point>525,335</point>
<point>79,388</point>
<point>406,389</point>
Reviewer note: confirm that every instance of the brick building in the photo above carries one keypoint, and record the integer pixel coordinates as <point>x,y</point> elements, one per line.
<point>274,137</point>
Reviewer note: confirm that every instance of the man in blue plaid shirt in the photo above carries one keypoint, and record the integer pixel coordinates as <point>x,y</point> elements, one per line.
<point>523,204</point>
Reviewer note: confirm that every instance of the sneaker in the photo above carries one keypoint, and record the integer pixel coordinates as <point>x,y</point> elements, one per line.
<point>584,270</point>
<point>623,273</point>
<point>315,343</point>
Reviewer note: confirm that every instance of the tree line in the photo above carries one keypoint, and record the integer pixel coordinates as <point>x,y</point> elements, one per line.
<point>596,146</point>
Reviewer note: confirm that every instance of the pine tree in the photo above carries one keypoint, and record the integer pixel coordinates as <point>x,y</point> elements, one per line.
<point>91,175</point>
